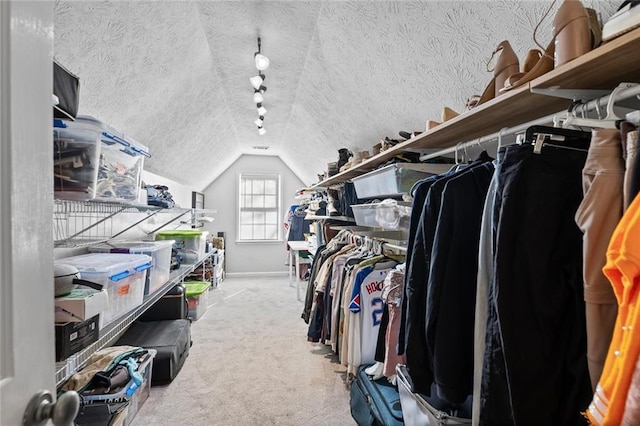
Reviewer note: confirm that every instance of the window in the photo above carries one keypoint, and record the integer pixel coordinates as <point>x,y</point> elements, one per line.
<point>259,205</point>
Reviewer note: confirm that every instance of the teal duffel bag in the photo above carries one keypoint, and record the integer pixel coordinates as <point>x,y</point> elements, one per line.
<point>374,402</point>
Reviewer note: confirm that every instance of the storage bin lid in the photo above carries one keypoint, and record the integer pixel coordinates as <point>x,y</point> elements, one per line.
<point>131,246</point>
<point>115,266</point>
<point>179,233</point>
<point>108,134</point>
<point>196,288</point>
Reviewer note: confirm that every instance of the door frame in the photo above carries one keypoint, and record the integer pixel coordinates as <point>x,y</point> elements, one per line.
<point>26,192</point>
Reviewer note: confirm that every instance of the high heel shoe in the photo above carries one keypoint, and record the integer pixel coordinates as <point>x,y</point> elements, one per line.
<point>543,66</point>
<point>447,114</point>
<point>530,61</point>
<point>506,66</point>
<point>571,32</point>
<point>535,64</point>
<point>571,38</point>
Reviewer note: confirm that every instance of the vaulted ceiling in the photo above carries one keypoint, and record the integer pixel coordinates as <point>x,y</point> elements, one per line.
<point>174,75</point>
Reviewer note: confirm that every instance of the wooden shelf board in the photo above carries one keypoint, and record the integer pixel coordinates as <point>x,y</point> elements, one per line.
<point>512,108</point>
<point>602,68</point>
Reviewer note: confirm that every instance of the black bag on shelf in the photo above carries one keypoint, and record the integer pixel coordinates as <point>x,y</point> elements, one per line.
<point>66,87</point>
<point>374,402</point>
<point>172,340</point>
<point>171,306</point>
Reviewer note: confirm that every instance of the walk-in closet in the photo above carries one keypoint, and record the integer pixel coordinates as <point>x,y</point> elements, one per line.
<point>320,213</point>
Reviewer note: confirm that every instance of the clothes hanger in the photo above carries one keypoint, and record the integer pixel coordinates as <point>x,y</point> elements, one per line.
<point>608,122</point>
<point>570,139</point>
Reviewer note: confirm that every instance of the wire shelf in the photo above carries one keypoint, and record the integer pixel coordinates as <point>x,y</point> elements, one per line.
<point>84,223</point>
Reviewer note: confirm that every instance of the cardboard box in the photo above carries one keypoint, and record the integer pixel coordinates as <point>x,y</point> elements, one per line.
<point>72,337</point>
<point>80,305</point>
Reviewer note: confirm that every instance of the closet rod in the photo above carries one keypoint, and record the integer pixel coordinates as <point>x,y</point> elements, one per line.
<point>394,247</point>
<point>491,137</point>
<point>618,94</point>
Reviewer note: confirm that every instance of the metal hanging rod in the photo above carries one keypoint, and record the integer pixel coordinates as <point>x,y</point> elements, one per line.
<point>493,137</point>
<point>623,92</point>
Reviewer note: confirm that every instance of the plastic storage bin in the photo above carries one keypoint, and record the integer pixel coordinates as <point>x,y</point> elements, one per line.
<point>197,297</point>
<point>122,275</point>
<point>136,395</point>
<point>189,243</point>
<point>395,179</point>
<point>388,214</point>
<point>94,161</point>
<point>160,252</point>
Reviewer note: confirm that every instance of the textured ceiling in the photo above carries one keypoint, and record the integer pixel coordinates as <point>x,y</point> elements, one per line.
<point>175,75</point>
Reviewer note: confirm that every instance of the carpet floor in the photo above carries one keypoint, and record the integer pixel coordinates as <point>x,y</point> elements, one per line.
<point>250,364</point>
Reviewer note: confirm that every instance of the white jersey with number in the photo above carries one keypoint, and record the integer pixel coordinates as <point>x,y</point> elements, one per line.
<point>367,303</point>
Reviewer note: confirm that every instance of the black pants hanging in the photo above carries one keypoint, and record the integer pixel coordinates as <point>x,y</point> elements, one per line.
<point>535,361</point>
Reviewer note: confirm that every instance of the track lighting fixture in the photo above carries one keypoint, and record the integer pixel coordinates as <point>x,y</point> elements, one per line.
<point>257,81</point>
<point>262,62</point>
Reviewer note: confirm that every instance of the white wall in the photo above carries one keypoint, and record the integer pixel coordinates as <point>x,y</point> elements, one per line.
<point>222,194</point>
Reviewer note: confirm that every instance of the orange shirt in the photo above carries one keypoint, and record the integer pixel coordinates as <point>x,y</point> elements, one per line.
<point>623,271</point>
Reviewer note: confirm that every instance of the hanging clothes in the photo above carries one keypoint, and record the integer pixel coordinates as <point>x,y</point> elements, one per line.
<point>392,297</point>
<point>451,286</point>
<point>597,216</point>
<point>535,355</point>
<point>623,271</point>
<point>420,360</point>
<point>367,308</point>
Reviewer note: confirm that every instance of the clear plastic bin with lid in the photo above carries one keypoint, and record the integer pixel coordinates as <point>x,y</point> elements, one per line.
<point>122,275</point>
<point>190,244</point>
<point>92,160</point>
<point>160,252</point>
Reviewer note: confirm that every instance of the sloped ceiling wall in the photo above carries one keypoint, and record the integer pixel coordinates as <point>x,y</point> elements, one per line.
<point>175,75</point>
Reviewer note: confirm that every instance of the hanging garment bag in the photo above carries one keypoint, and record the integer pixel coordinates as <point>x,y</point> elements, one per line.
<point>374,402</point>
<point>416,411</point>
<point>171,340</point>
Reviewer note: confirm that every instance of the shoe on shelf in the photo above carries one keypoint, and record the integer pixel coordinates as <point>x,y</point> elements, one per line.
<point>624,20</point>
<point>571,32</point>
<point>506,65</point>
<point>530,61</point>
<point>447,114</point>
<point>575,32</point>
<point>408,135</point>
<point>359,156</point>
<point>343,157</point>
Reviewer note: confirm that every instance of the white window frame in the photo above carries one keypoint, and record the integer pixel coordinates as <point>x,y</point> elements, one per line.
<point>278,224</point>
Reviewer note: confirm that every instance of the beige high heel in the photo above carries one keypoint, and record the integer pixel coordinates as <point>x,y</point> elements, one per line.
<point>447,114</point>
<point>572,36</point>
<point>531,60</point>
<point>571,32</point>
<point>506,66</point>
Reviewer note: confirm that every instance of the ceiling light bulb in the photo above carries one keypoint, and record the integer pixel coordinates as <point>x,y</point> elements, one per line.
<point>256,81</point>
<point>262,62</point>
<point>262,110</point>
<point>261,131</point>
<point>258,121</point>
<point>257,97</point>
